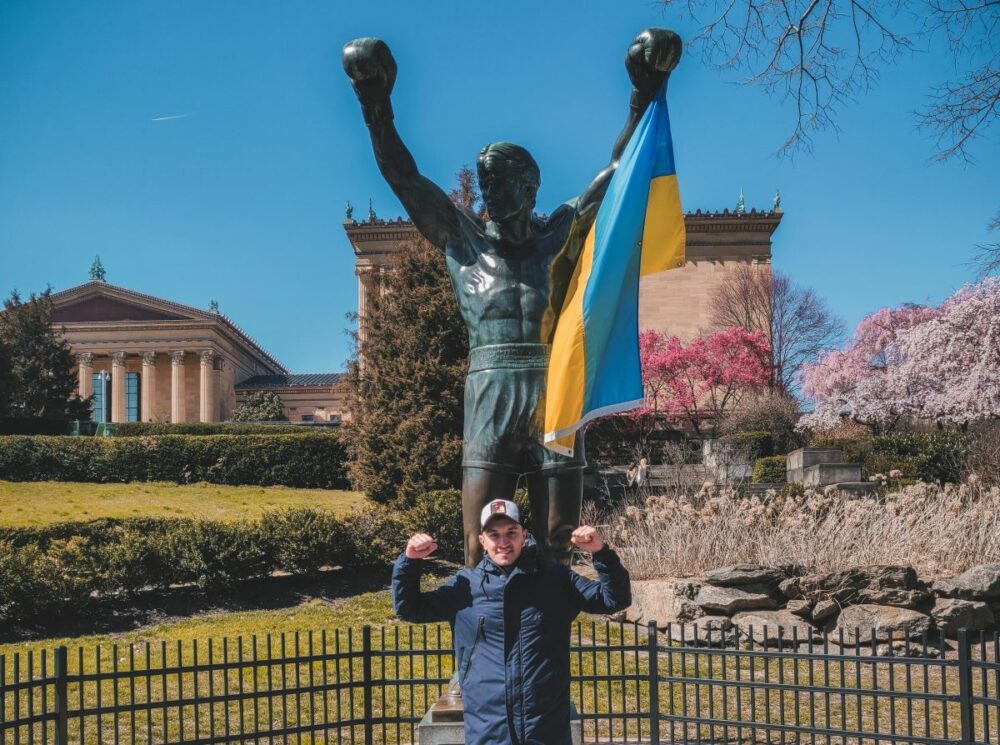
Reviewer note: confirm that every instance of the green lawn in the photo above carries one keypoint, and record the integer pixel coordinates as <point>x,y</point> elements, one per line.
<point>37,503</point>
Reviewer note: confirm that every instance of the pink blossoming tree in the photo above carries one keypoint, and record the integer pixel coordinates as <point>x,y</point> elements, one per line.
<point>929,363</point>
<point>694,385</point>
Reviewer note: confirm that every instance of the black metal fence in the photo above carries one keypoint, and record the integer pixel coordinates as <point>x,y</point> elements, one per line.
<point>630,683</point>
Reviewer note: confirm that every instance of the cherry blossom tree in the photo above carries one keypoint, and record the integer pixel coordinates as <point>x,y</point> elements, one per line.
<point>948,368</point>
<point>695,384</point>
<point>914,362</point>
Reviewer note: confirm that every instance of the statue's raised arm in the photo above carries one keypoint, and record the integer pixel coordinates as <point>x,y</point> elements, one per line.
<point>372,70</point>
<point>650,59</point>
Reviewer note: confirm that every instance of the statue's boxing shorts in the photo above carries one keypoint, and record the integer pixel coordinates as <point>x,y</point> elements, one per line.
<point>505,411</point>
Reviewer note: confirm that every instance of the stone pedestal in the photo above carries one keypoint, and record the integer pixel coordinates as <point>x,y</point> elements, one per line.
<point>443,725</point>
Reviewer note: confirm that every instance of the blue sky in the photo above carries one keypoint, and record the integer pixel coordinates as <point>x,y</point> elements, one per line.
<point>241,199</point>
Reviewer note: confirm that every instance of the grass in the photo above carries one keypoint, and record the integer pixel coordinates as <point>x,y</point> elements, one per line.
<point>40,503</point>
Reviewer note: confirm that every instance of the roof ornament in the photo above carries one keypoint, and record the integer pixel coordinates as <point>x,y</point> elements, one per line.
<point>372,217</point>
<point>776,204</point>
<point>97,270</point>
<point>213,307</point>
<point>348,212</point>
<point>741,206</point>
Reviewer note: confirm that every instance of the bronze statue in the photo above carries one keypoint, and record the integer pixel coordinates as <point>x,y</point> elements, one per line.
<point>510,274</point>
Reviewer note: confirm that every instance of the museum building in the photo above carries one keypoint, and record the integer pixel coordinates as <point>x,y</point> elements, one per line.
<point>153,360</point>
<point>149,359</point>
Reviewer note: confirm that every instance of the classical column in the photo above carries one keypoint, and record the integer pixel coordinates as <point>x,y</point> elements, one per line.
<point>147,387</point>
<point>207,393</point>
<point>85,374</point>
<point>118,386</point>
<point>177,400</point>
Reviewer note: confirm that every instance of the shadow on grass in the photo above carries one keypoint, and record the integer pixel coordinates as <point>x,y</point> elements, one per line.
<point>154,607</point>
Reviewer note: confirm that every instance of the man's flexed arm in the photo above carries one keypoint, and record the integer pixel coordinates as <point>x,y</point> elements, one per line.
<point>650,59</point>
<point>372,70</point>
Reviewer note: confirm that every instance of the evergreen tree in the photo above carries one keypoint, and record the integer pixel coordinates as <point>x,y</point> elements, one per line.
<point>405,433</point>
<point>260,406</point>
<point>38,373</point>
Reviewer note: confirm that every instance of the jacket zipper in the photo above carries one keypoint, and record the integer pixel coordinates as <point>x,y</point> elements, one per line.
<point>480,631</point>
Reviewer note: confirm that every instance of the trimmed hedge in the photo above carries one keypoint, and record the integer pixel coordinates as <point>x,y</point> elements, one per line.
<point>61,568</point>
<point>310,460</point>
<point>757,444</point>
<point>148,429</point>
<point>933,457</point>
<point>770,470</point>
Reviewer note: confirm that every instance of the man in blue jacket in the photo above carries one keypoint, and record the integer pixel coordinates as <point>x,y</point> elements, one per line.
<point>511,616</point>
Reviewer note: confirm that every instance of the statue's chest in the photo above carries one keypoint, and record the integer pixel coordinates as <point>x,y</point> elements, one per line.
<point>493,274</point>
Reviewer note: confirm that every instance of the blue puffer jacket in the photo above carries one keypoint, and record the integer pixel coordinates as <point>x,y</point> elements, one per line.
<point>511,633</point>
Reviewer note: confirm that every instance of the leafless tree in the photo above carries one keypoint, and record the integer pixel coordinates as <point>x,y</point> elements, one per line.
<point>796,321</point>
<point>822,53</point>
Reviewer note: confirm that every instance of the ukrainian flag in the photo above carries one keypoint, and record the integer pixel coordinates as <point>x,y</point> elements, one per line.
<point>639,229</point>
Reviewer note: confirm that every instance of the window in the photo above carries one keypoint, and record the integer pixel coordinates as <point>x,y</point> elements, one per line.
<point>132,397</point>
<point>101,406</point>
<point>307,417</point>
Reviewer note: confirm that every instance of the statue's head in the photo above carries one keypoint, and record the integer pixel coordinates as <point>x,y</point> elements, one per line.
<point>508,179</point>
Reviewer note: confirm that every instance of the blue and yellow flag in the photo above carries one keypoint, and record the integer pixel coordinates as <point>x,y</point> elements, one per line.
<point>639,229</point>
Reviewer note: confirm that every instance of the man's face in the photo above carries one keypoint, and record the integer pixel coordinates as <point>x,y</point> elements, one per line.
<point>504,194</point>
<point>502,539</point>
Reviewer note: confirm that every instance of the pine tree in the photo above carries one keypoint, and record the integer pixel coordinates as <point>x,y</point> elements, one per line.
<point>38,373</point>
<point>405,433</point>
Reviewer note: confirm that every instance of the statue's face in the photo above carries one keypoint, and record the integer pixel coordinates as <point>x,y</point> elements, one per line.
<point>504,193</point>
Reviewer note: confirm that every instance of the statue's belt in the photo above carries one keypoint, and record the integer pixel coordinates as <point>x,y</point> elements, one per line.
<point>509,356</point>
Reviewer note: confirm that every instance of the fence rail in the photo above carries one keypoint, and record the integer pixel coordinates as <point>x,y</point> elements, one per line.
<point>630,683</point>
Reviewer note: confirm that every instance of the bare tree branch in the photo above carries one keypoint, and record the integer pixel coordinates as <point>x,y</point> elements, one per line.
<point>817,53</point>
<point>796,321</point>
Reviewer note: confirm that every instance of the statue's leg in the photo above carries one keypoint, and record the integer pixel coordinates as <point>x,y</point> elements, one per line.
<point>556,497</point>
<point>479,486</point>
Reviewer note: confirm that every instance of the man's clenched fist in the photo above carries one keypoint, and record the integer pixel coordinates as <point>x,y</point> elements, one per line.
<point>587,539</point>
<point>420,546</point>
<point>650,59</point>
<point>371,68</point>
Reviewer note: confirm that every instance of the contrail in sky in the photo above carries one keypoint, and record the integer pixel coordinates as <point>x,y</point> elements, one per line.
<point>168,117</point>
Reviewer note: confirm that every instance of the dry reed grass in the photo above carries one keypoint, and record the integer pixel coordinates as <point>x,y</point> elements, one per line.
<point>936,530</point>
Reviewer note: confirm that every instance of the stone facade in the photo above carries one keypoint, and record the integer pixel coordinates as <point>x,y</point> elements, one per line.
<point>189,362</point>
<point>676,302</point>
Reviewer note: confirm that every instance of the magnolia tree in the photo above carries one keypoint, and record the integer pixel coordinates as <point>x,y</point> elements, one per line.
<point>914,362</point>
<point>694,385</point>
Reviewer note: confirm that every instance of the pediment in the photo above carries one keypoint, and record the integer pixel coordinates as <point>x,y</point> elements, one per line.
<point>104,308</point>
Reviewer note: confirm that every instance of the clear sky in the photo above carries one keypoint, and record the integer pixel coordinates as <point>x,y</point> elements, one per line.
<point>206,149</point>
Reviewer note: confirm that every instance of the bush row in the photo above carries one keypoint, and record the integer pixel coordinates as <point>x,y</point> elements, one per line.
<point>933,457</point>
<point>311,460</point>
<point>147,429</point>
<point>61,569</point>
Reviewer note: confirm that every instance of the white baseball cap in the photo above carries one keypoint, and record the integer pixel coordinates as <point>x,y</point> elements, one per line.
<point>499,508</point>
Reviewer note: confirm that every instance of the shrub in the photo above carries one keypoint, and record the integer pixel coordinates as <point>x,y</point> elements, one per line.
<point>376,534</point>
<point>314,459</point>
<point>770,470</point>
<point>758,444</point>
<point>301,540</point>
<point>768,411</point>
<point>147,429</point>
<point>260,406</point>
<point>36,582</point>
<point>439,513</point>
<point>934,457</point>
<point>213,554</point>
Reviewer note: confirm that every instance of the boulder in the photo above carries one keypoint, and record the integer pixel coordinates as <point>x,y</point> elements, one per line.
<point>771,626</point>
<point>825,609</point>
<point>979,583</point>
<point>731,600</point>
<point>707,631</point>
<point>664,601</point>
<point>859,622</point>
<point>952,614</point>
<point>902,648</point>
<point>750,577</point>
<point>878,585</point>
<point>800,608</point>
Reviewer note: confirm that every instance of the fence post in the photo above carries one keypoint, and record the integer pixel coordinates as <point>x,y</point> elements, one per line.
<point>654,684</point>
<point>62,698</point>
<point>366,680</point>
<point>966,711</point>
